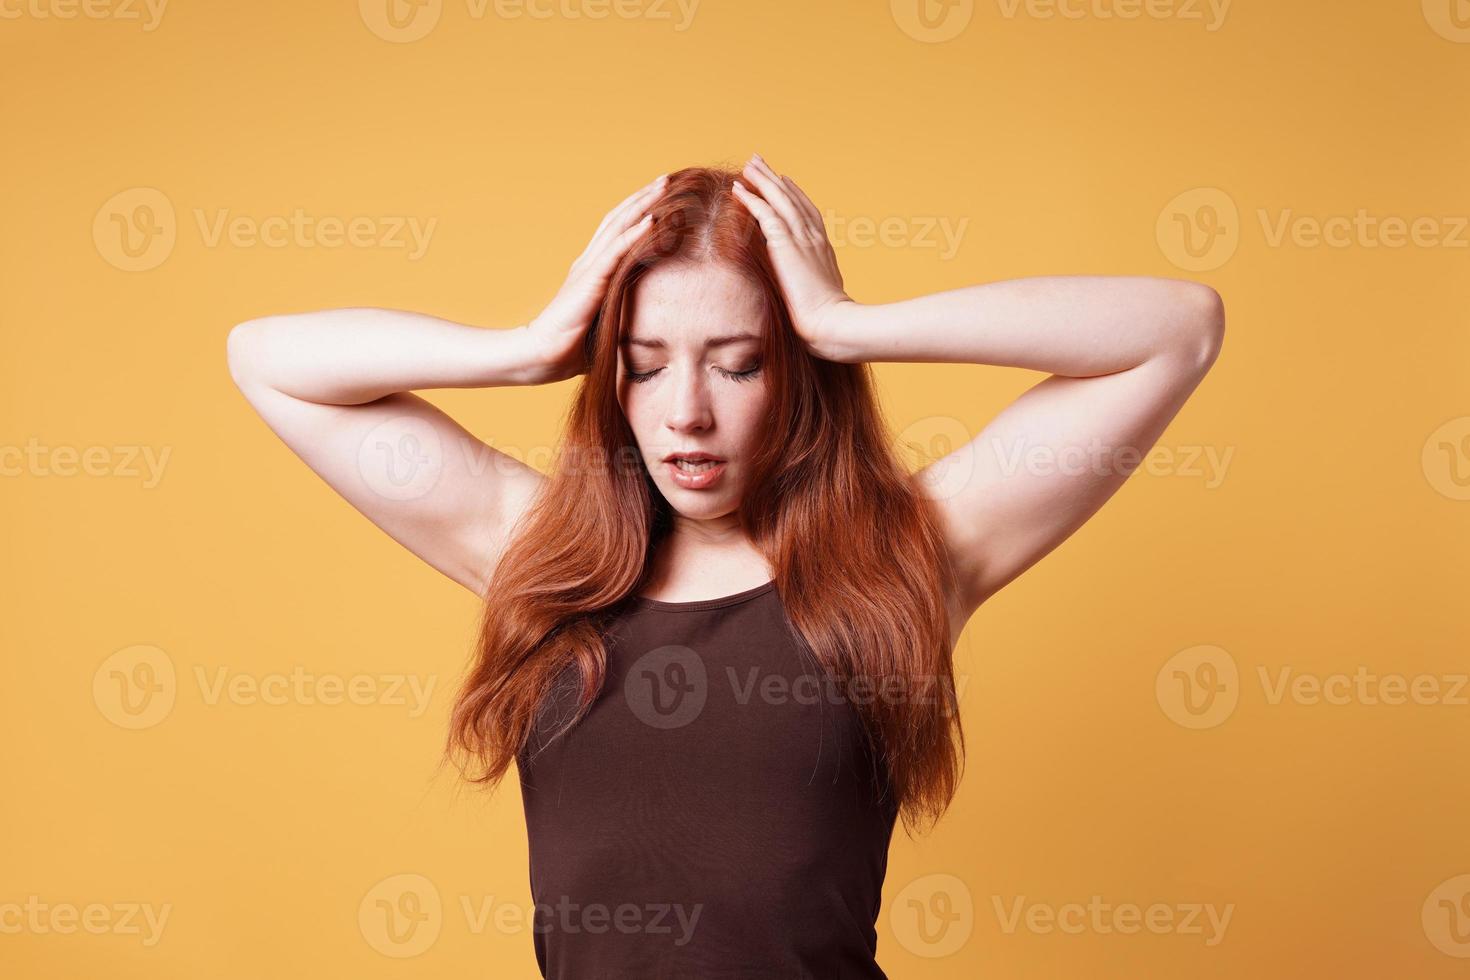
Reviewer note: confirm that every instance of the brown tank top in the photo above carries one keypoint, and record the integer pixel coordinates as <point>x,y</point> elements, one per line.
<point>716,815</point>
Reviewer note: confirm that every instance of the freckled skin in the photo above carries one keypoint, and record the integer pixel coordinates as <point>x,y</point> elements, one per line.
<point>690,403</point>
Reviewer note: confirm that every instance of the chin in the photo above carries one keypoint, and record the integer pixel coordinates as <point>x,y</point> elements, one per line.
<point>697,505</point>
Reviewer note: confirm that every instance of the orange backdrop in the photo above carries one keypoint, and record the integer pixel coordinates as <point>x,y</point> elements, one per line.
<point>1219,733</point>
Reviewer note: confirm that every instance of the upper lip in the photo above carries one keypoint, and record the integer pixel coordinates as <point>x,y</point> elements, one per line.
<point>693,457</point>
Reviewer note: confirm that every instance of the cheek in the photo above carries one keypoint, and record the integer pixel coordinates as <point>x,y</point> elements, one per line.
<point>638,410</point>
<point>744,413</point>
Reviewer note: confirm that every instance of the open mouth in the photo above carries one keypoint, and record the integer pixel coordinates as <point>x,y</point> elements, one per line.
<point>694,471</point>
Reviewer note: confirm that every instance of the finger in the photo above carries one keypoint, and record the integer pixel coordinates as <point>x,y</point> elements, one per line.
<point>805,203</point>
<point>619,245</point>
<point>771,223</point>
<point>771,188</point>
<point>652,185</point>
<point>620,215</point>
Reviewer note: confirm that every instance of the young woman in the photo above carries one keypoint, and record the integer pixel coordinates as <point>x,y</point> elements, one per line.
<point>716,639</point>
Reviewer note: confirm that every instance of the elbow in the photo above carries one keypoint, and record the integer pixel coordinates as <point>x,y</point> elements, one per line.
<point>243,352</point>
<point>1198,325</point>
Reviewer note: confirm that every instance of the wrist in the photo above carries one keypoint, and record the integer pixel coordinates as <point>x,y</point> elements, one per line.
<point>519,357</point>
<point>837,332</point>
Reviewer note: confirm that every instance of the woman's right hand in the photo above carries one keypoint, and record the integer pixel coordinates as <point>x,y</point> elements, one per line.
<point>557,331</point>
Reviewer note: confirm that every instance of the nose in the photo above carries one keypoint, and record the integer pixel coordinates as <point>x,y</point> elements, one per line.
<point>689,408</point>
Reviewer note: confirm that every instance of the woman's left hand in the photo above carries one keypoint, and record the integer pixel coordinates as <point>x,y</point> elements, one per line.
<point>805,263</point>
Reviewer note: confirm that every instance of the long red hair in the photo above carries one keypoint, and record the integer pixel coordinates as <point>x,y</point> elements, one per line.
<point>860,563</point>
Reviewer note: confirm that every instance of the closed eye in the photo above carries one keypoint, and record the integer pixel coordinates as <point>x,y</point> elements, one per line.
<point>747,375</point>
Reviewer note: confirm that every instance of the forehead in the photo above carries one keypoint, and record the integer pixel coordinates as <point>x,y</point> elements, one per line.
<point>678,303</point>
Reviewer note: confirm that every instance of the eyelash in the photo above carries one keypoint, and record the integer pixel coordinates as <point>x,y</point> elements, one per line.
<point>749,375</point>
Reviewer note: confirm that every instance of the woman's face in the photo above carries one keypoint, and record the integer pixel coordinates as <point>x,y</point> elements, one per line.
<point>690,381</point>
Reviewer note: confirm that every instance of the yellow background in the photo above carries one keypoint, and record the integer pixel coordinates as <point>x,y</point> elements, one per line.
<point>1330,535</point>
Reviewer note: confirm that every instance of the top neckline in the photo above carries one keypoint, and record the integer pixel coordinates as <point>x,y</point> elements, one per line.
<point>719,602</point>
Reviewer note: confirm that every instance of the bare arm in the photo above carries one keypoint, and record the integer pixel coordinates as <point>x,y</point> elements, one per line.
<point>337,385</point>
<point>1124,354</point>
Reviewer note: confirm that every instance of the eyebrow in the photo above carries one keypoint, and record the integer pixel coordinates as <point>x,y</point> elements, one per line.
<point>723,340</point>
